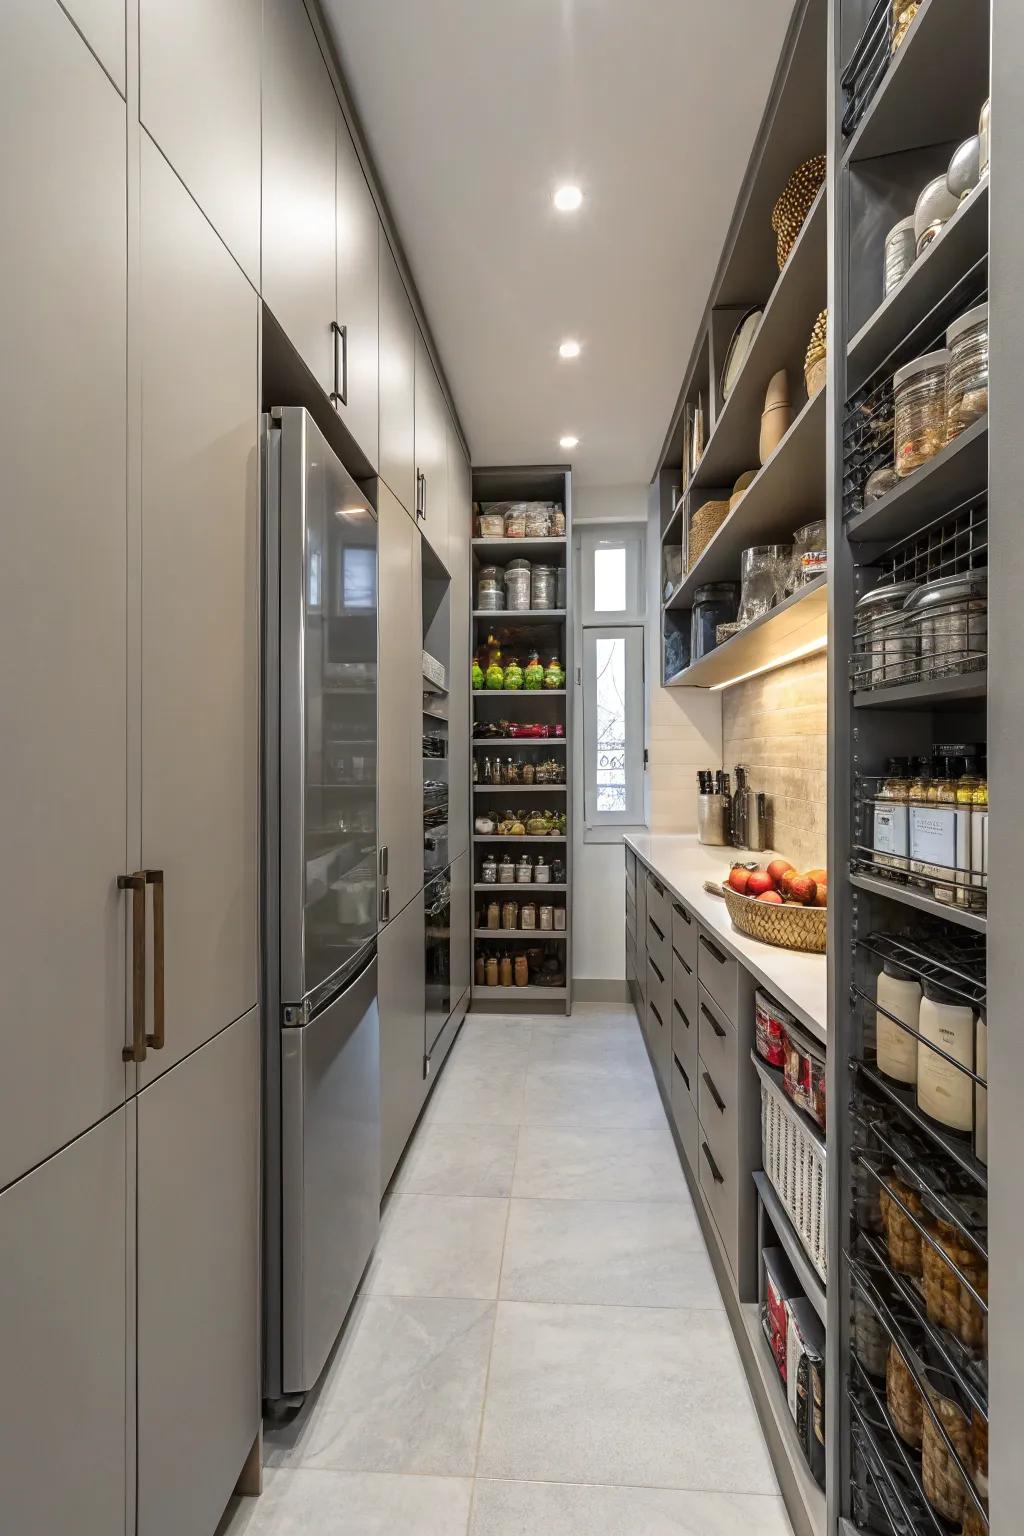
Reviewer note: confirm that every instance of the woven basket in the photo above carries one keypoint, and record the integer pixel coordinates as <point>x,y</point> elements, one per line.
<point>794,205</point>
<point>787,927</point>
<point>816,359</point>
<point>704,524</point>
<point>795,1164</point>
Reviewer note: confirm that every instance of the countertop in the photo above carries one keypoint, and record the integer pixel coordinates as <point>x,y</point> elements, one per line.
<point>680,862</point>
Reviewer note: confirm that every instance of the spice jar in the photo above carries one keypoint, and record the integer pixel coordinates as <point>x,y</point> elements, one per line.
<point>528,916</point>
<point>505,970</point>
<point>521,971</point>
<point>943,1091</point>
<point>542,586</point>
<point>943,1482</point>
<point>493,915</point>
<point>517,586</point>
<point>538,520</point>
<point>902,1237</point>
<point>515,521</point>
<point>491,971</point>
<point>506,871</point>
<point>903,1398</point>
<point>509,914</point>
<point>489,870</point>
<point>883,635</point>
<point>490,589</point>
<point>967,381</point>
<point>900,253</point>
<point>546,918</point>
<point>524,870</point>
<point>920,397</point>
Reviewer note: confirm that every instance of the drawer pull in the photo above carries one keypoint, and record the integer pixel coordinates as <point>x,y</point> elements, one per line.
<point>657,930</point>
<point>681,912</point>
<point>719,1101</point>
<point>657,1015</point>
<point>654,968</point>
<point>658,887</point>
<point>712,1164</point>
<point>680,1012</point>
<point>713,950</point>
<point>719,1031</point>
<point>682,1072</point>
<point>687,968</point>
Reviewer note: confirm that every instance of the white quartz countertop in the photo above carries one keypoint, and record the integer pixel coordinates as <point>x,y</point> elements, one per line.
<point>680,862</point>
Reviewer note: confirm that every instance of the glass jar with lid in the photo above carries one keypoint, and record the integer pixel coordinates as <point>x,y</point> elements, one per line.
<point>967,382</point>
<point>506,871</point>
<point>510,914</point>
<point>490,589</point>
<point>492,521</point>
<point>491,971</point>
<point>884,636</point>
<point>541,871</point>
<point>900,253</point>
<point>524,870</point>
<point>559,919</point>
<point>521,971</point>
<point>542,586</point>
<point>528,916</point>
<point>515,521</point>
<point>489,870</point>
<point>950,616</point>
<point>517,586</point>
<point>538,519</point>
<point>713,604</point>
<point>920,399</point>
<point>546,917</point>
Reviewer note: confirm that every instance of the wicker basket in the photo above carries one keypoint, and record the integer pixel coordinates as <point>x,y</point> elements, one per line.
<point>816,360</point>
<point>795,1164</point>
<point>794,205</point>
<point>704,524</point>
<point>787,927</point>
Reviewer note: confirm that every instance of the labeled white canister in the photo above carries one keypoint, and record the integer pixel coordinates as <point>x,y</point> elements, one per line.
<point>898,991</point>
<point>981,1067</point>
<point>943,1091</point>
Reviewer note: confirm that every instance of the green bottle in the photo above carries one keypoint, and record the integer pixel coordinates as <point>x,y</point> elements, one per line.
<point>533,677</point>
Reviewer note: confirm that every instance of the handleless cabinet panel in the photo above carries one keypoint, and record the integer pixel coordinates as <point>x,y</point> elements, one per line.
<point>399,722</point>
<point>356,306</point>
<point>431,453</point>
<point>300,113</point>
<point>198,1282</point>
<point>102,24</point>
<point>63,583</point>
<point>401,1000</point>
<point>199,98</point>
<point>62,1339</point>
<point>200,642</point>
<point>462,915</point>
<point>397,447</point>
<point>460,510</point>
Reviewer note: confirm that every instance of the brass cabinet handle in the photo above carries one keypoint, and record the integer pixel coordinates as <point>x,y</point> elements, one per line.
<point>155,878</point>
<point>137,885</point>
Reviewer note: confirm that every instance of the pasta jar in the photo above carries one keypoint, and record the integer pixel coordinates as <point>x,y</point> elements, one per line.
<point>920,397</point>
<point>542,586</point>
<point>517,586</point>
<point>900,253</point>
<point>967,384</point>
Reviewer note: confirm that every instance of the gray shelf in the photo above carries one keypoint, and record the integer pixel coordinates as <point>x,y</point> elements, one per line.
<point>962,243</point>
<point>537,887</point>
<point>788,492</point>
<point>800,620</point>
<point>532,935</point>
<point>805,1271</point>
<point>518,693</point>
<point>520,615</point>
<point>520,994</point>
<point>811,1496</point>
<point>930,692</point>
<point>910,896</point>
<point>956,473</point>
<point>516,789</point>
<point>934,87</point>
<point>527,549</point>
<point>517,741</point>
<point>521,837</point>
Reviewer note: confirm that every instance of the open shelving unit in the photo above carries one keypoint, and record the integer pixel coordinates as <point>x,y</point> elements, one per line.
<point>518,631</point>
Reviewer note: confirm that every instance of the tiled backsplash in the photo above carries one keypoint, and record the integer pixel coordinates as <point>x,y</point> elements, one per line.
<point>776,726</point>
<point>685,734</point>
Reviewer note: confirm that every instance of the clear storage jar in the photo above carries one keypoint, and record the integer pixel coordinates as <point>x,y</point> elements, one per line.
<point>810,553</point>
<point>517,586</point>
<point>542,586</point>
<point>885,638</point>
<point>492,522</point>
<point>538,520</point>
<point>515,521</point>
<point>557,529</point>
<point>920,399</point>
<point>490,589</point>
<point>900,253</point>
<point>967,382</point>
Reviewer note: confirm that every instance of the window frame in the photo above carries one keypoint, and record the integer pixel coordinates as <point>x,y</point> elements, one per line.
<point>632,815</point>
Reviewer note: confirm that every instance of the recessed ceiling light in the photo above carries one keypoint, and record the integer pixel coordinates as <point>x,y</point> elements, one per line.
<point>568,198</point>
<point>569,349</point>
<point>568,441</point>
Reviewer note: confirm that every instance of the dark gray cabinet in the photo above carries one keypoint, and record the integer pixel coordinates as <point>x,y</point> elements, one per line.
<point>356,305</point>
<point>401,1000</point>
<point>397,448</point>
<point>460,515</point>
<point>431,454</point>
<point>199,98</point>
<point>300,113</point>
<point>399,722</point>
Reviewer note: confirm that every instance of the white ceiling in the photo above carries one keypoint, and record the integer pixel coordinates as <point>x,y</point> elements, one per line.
<point>475,110</point>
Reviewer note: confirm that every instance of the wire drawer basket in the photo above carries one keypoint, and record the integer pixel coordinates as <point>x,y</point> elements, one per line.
<point>795,1163</point>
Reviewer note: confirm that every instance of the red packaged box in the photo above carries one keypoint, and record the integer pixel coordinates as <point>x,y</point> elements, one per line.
<point>780,1285</point>
<point>771,1023</point>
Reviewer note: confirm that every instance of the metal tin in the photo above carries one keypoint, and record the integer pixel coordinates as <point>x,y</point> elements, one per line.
<point>887,643</point>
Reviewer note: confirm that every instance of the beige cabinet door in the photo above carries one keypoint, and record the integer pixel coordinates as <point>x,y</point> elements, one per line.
<point>63,581</point>
<point>431,454</point>
<point>299,152</point>
<point>357,305</point>
<point>397,382</point>
<point>200,629</point>
<point>199,98</point>
<point>401,1000</point>
<point>198,1282</point>
<point>102,24</point>
<point>460,514</point>
<point>62,1340</point>
<point>399,722</point>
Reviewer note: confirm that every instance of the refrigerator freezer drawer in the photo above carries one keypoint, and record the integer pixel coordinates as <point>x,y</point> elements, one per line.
<point>330,1156</point>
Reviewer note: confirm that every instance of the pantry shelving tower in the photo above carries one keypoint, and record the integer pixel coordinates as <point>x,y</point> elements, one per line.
<point>549,631</point>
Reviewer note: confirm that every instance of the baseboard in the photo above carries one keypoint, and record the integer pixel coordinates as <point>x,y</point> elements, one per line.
<point>599,990</point>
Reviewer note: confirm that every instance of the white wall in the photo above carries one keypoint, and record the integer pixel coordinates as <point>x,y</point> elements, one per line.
<point>609,503</point>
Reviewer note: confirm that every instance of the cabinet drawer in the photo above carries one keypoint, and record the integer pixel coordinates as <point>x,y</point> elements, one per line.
<point>658,993</point>
<point>717,1042</point>
<point>659,1031</point>
<point>685,1029</point>
<point>684,934</point>
<point>717,1115</point>
<point>717,1172</point>
<point>630,867</point>
<point>658,906</point>
<point>719,973</point>
<point>658,946</point>
<point>684,986</point>
<point>684,1113</point>
<point>631,917</point>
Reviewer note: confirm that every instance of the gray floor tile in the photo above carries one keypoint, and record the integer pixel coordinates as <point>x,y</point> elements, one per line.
<point>494,1041</point>
<point>352,1504</point>
<point>565,1509</point>
<point>438,1245</point>
<point>447,1159</point>
<point>594,1163</point>
<point>478,1092</point>
<point>574,1094</point>
<point>624,1395</point>
<point>611,1253</point>
<point>403,1394</point>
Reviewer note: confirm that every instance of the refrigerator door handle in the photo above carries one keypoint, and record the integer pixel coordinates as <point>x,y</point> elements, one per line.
<point>136,883</point>
<point>155,878</point>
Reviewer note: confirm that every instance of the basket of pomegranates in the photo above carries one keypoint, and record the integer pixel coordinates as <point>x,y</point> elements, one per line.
<point>779,905</point>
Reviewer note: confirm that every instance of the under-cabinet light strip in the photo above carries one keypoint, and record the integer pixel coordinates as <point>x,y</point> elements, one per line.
<point>772,666</point>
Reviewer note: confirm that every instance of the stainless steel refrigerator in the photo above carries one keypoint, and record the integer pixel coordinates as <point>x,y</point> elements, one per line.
<point>322,1076</point>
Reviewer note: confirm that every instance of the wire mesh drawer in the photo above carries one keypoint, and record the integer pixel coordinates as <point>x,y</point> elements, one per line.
<point>795,1164</point>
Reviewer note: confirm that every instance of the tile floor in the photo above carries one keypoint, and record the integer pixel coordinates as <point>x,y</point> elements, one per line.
<point>539,1347</point>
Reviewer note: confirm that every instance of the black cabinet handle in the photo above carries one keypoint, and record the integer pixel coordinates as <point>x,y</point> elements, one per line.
<point>657,1015</point>
<point>680,1012</point>
<point>712,1164</point>
<point>339,394</point>
<point>421,494</point>
<point>687,968</point>
<point>654,968</point>
<point>657,886</point>
<point>719,1031</point>
<point>713,950</point>
<point>682,1071</point>
<point>681,912</point>
<point>657,930</point>
<point>719,1101</point>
